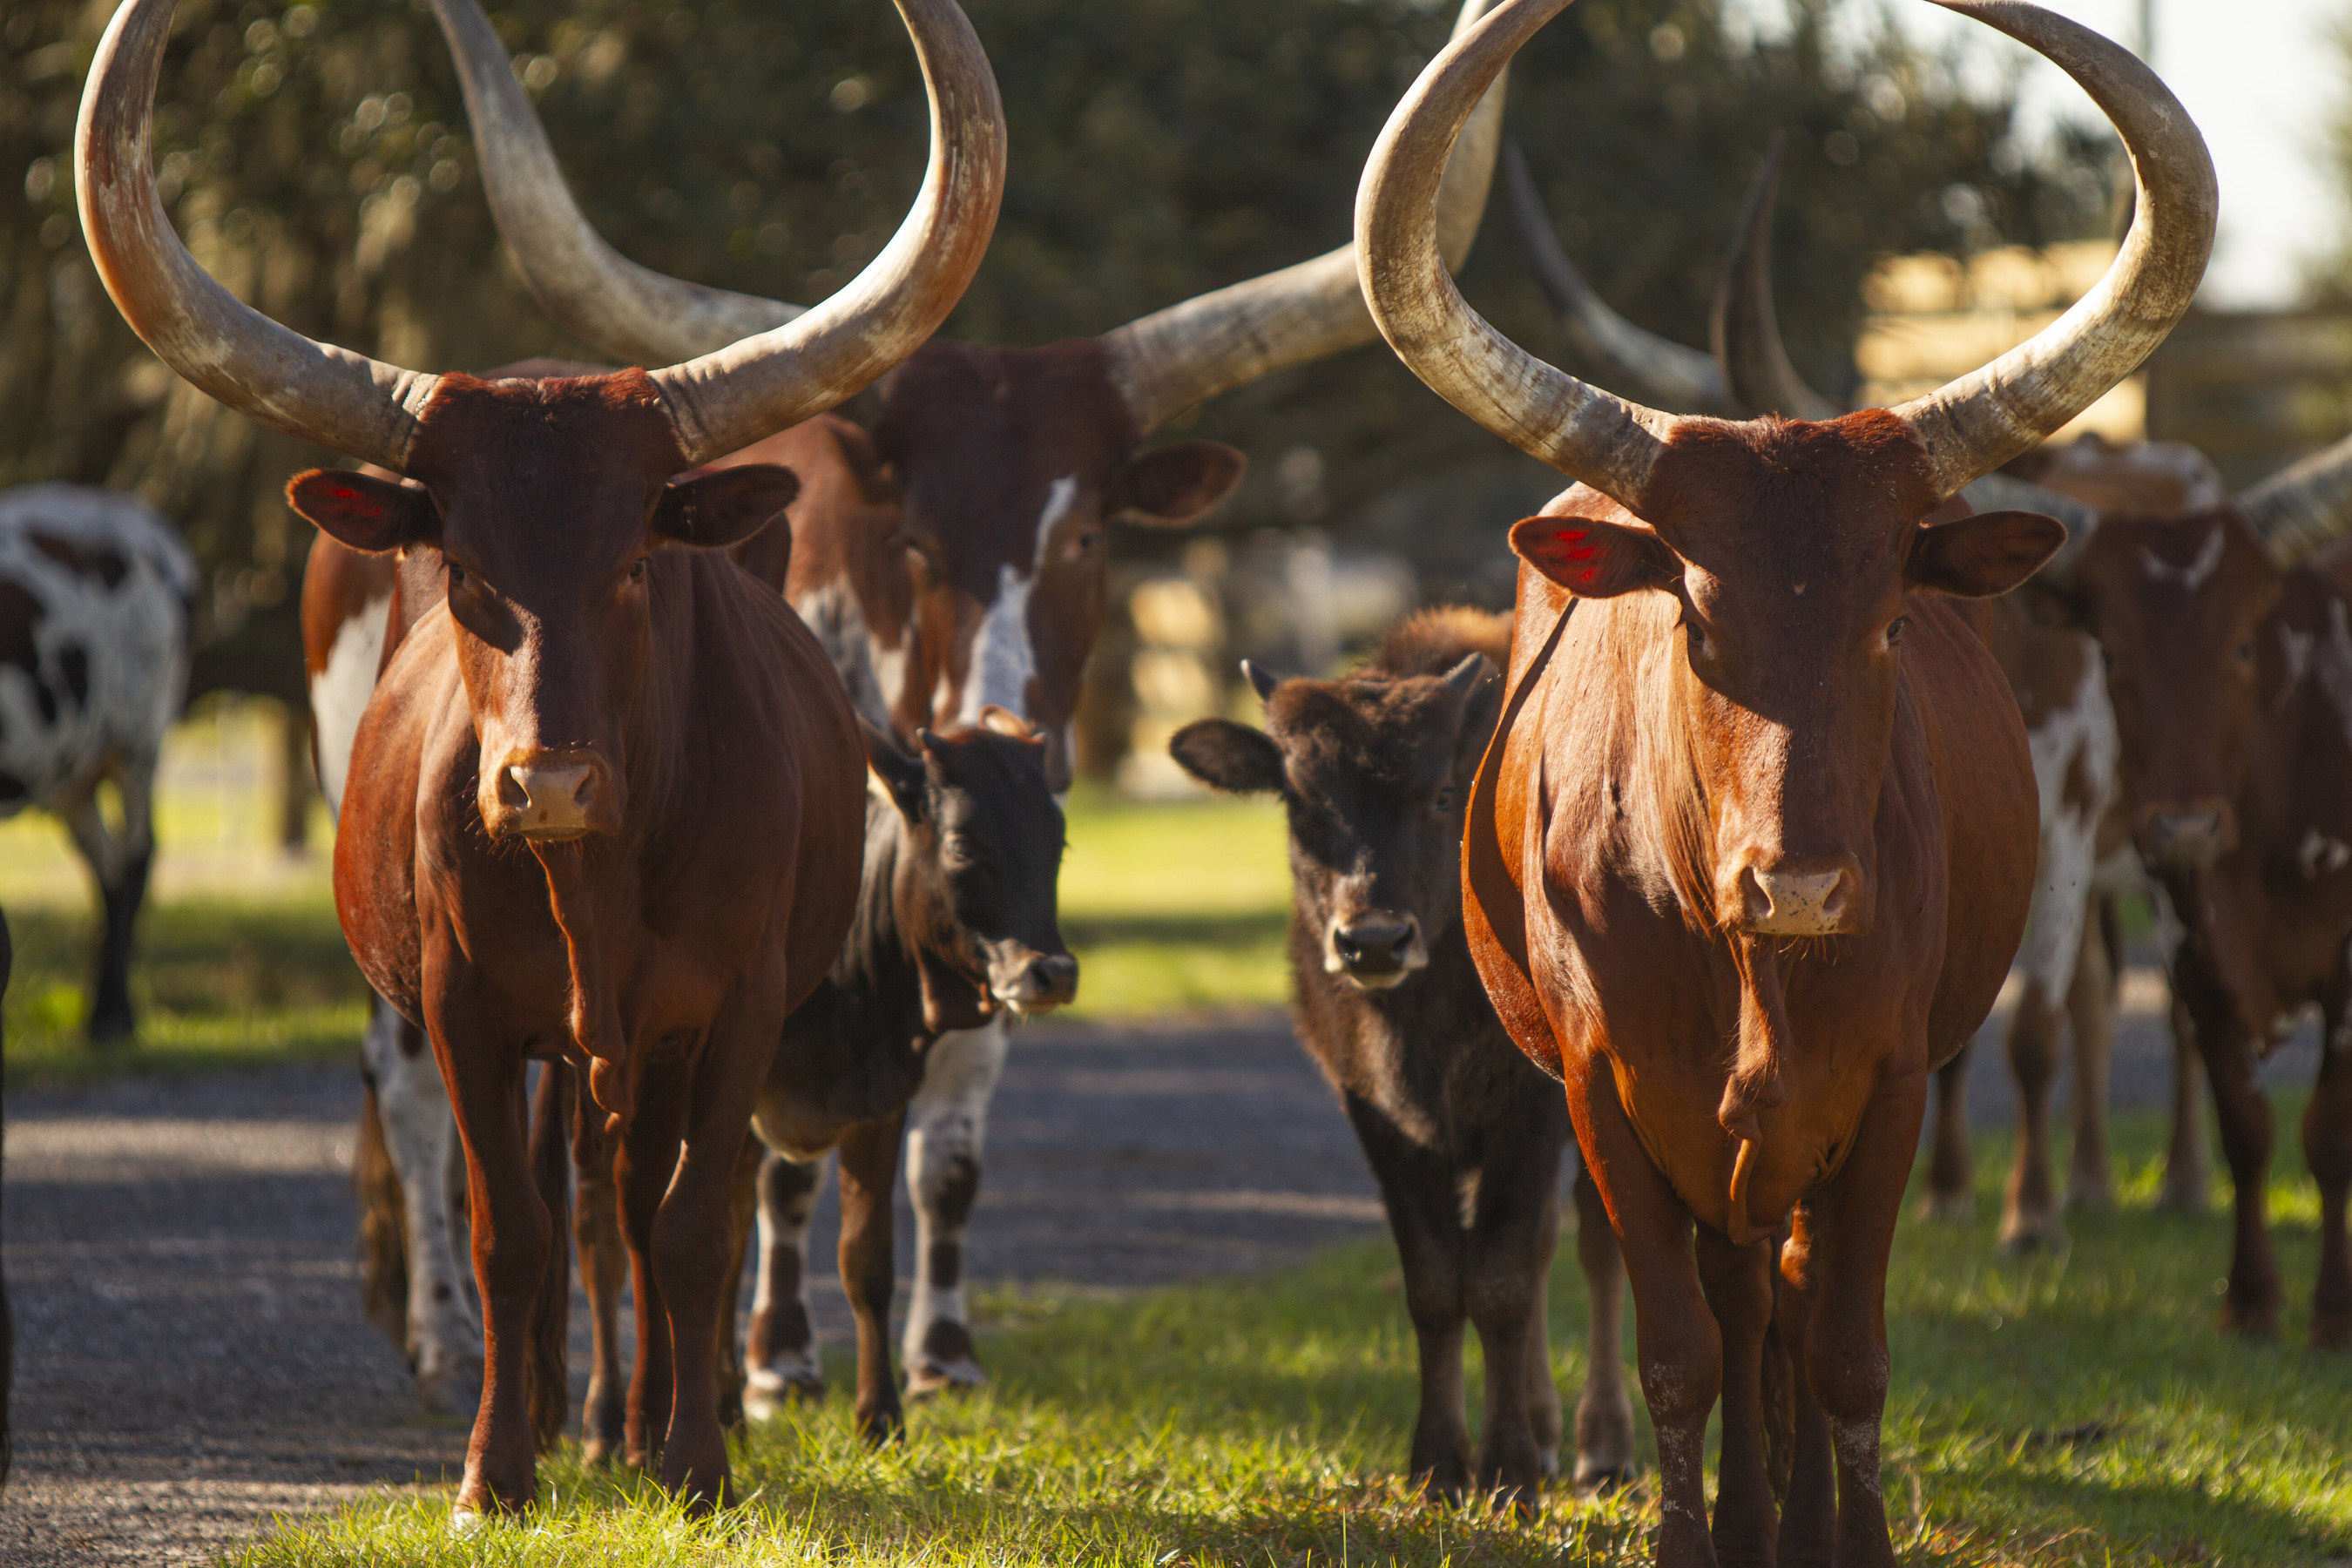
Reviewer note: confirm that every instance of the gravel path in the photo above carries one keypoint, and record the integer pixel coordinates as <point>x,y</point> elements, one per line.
<point>191,1354</point>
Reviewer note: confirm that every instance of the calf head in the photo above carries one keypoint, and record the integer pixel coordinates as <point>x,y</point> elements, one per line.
<point>1374,773</point>
<point>549,501</point>
<point>1011,463</point>
<point>2177,603</point>
<point>1789,555</point>
<point>975,895</point>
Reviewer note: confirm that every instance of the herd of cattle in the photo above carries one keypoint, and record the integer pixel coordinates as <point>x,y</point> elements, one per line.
<point>704,747</point>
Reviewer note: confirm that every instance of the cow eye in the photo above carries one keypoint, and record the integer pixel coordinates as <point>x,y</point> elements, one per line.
<point>1896,628</point>
<point>456,573</point>
<point>2246,652</point>
<point>1445,801</point>
<point>637,570</point>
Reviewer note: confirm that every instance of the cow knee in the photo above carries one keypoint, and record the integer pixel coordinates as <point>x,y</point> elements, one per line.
<point>944,1176</point>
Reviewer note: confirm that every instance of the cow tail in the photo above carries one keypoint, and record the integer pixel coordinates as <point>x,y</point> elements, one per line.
<point>547,1388</point>
<point>384,1225</point>
<point>1780,1387</point>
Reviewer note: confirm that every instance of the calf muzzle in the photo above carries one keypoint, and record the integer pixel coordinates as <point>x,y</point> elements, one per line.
<point>551,795</point>
<point>1030,981</point>
<point>1376,948</point>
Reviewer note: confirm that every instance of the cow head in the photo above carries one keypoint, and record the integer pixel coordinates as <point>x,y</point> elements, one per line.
<point>1011,465</point>
<point>2177,605</point>
<point>1789,555</point>
<point>1788,552</point>
<point>975,893</point>
<point>1374,773</point>
<point>548,501</point>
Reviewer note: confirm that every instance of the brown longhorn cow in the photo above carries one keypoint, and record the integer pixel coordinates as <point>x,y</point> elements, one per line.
<point>2229,652</point>
<point>2069,962</point>
<point>603,809</point>
<point>1755,841</point>
<point>952,555</point>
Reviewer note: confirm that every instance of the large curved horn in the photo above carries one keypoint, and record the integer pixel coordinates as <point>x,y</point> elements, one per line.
<point>313,392</point>
<point>630,312</point>
<point>2303,508</point>
<point>1745,327</point>
<point>1165,363</point>
<point>1976,424</point>
<point>1640,361</point>
<point>1594,436</point>
<point>749,389</point>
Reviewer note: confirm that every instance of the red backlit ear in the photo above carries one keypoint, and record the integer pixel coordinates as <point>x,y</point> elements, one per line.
<point>718,507</point>
<point>1980,556</point>
<point>364,512</point>
<point>1172,487</point>
<point>1594,560</point>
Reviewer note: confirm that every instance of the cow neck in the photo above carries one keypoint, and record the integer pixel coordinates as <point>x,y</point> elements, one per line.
<point>1754,1084</point>
<point>875,966</point>
<point>584,875</point>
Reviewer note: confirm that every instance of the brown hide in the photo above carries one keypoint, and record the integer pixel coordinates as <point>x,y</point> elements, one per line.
<point>667,942</point>
<point>956,557</point>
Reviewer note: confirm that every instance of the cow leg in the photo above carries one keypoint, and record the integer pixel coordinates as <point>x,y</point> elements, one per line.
<point>646,1169</point>
<point>1515,1211</point>
<point>1808,1509</point>
<point>949,1122</point>
<point>2252,1305</point>
<point>784,1355</point>
<point>420,1136</point>
<point>2327,1147</point>
<point>1604,1414</point>
<point>2091,1017</point>
<point>1675,1334</point>
<point>2188,1165</point>
<point>870,1267</point>
<point>1543,1391</point>
<point>119,865</point>
<point>1738,1284</point>
<point>1845,1330</point>
<point>1424,1214</point>
<point>2030,1213</point>
<point>1951,1168</point>
<point>603,1260</point>
<point>512,1235</point>
<point>742,1205</point>
<point>690,1245</point>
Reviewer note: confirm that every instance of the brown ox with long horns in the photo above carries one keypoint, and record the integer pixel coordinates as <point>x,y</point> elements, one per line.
<point>1755,840</point>
<point>952,554</point>
<point>2068,964</point>
<point>603,806</point>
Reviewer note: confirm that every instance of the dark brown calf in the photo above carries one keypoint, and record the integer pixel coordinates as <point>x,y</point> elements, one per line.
<point>1463,1135</point>
<point>7,1323</point>
<point>2231,676</point>
<point>1754,843</point>
<point>603,804</point>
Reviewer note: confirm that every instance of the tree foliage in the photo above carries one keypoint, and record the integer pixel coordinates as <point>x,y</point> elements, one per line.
<point>316,158</point>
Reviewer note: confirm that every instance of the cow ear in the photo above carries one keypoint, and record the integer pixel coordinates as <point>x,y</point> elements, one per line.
<point>1173,487</point>
<point>1977,557</point>
<point>1594,560</point>
<point>901,775</point>
<point>723,506</point>
<point>1002,720</point>
<point>1228,756</point>
<point>364,512</point>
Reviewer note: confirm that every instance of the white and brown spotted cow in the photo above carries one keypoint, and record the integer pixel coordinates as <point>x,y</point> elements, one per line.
<point>95,587</point>
<point>951,554</point>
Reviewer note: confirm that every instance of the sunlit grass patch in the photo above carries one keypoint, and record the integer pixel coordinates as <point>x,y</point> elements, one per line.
<point>2078,1408</point>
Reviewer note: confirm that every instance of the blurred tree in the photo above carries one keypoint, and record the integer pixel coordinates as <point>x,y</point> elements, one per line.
<point>315,157</point>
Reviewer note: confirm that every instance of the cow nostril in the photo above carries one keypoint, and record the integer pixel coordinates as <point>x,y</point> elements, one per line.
<point>513,791</point>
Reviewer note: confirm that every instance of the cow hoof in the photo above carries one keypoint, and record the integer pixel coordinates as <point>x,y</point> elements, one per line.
<point>2183,1198</point>
<point>929,1377</point>
<point>2331,1331</point>
<point>2090,1194</point>
<point>1947,1208</point>
<point>1601,1480</point>
<point>453,1393</point>
<point>2020,1237</point>
<point>2254,1321</point>
<point>770,1389</point>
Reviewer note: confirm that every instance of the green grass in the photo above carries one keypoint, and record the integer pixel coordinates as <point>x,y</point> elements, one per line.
<point>2074,1410</point>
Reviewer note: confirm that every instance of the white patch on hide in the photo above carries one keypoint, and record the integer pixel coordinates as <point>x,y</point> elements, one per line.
<point>2081,727</point>
<point>339,694</point>
<point>1003,656</point>
<point>2320,855</point>
<point>2192,576</point>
